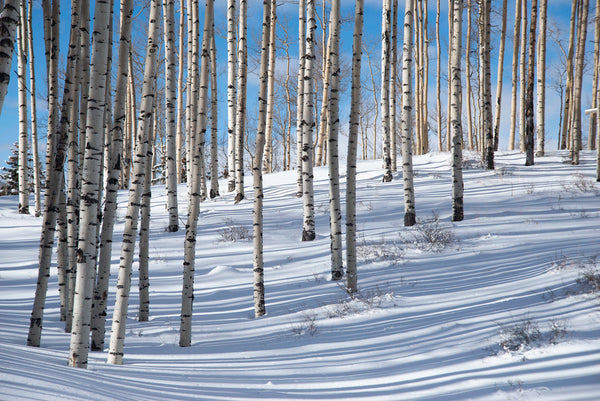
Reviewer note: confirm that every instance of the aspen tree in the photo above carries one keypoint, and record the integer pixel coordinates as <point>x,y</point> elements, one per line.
<point>541,81</point>
<point>355,101</point>
<point>171,113</point>
<point>179,137</point>
<point>515,75</point>
<point>386,19</point>
<point>231,93</point>
<point>523,76</point>
<point>393,83</point>
<point>449,103</point>
<point>114,162</point>
<point>84,84</point>
<point>324,126</point>
<point>455,115</point>
<point>192,87</point>
<point>486,93</point>
<point>308,125</point>
<point>300,94</point>
<point>335,212</point>
<point>257,212</point>
<point>9,21</point>
<point>268,151</point>
<point>593,116</point>
<point>240,120</point>
<point>406,116</point>
<point>214,118</point>
<point>23,172</point>
<point>34,126</point>
<point>90,188</point>
<point>468,77</point>
<point>187,292</point>
<point>577,84</point>
<point>567,110</point>
<point>499,76</point>
<point>530,124</point>
<point>117,337</point>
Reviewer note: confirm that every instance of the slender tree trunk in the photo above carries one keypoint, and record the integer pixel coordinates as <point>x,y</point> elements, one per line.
<point>324,126</point>
<point>351,270</point>
<point>393,83</point>
<point>488,117</point>
<point>231,93</point>
<point>523,77</point>
<point>386,27</point>
<point>192,87</point>
<point>117,337</point>
<point>593,116</point>
<point>171,113</point>
<point>259,286</point>
<point>515,69</point>
<point>179,137</point>
<point>335,211</point>
<point>34,125</point>
<point>9,21</point>
<point>468,77</point>
<point>449,103</point>
<point>268,152</point>
<point>300,94</point>
<point>406,124</point>
<point>424,101</point>
<point>22,99</point>
<point>90,188</point>
<point>566,127</point>
<point>499,76</point>
<point>85,74</point>
<point>187,293</point>
<point>541,80</point>
<point>214,119</point>
<point>308,126</point>
<point>114,163</point>
<point>240,121</point>
<point>577,84</point>
<point>455,115</point>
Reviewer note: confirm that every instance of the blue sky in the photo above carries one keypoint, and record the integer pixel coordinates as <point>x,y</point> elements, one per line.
<point>559,12</point>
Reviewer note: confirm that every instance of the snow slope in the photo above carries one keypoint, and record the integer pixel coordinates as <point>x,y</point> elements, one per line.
<point>428,323</point>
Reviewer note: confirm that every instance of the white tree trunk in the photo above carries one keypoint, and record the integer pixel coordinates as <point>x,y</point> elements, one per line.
<point>515,76</point>
<point>351,270</point>
<point>567,111</point>
<point>90,188</point>
<point>231,93</point>
<point>486,93</point>
<point>9,20</point>
<point>499,76</point>
<point>214,118</point>
<point>530,123</point>
<point>335,211</point>
<point>386,31</point>
<point>179,137</point>
<point>406,116</point>
<point>117,337</point>
<point>34,125</point>
<point>187,292</point>
<point>577,84</point>
<point>257,212</point>
<point>300,94</point>
<point>393,83</point>
<point>115,165</point>
<point>593,116</point>
<point>240,120</point>
<point>522,76</point>
<point>22,99</point>
<point>308,125</point>
<point>171,113</point>
<point>268,153</point>
<point>455,113</point>
<point>438,78</point>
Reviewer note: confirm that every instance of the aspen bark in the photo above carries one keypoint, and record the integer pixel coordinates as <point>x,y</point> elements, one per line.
<point>449,103</point>
<point>567,110</point>
<point>455,115</point>
<point>187,292</point>
<point>34,125</point>
<point>257,168</point>
<point>406,116</point>
<point>308,125</point>
<point>231,93</point>
<point>179,136</point>
<point>214,119</point>
<point>117,337</point>
<point>240,120</point>
<point>114,162</point>
<point>386,19</point>
<point>268,151</point>
<point>515,79</point>
<point>90,188</point>
<point>335,211</point>
<point>23,172</point>
<point>171,113</point>
<point>593,116</point>
<point>499,76</point>
<point>393,83</point>
<point>468,78</point>
<point>486,93</point>
<point>300,94</point>
<point>541,81</point>
<point>523,77</point>
<point>9,21</point>
<point>577,84</point>
<point>439,78</point>
<point>351,269</point>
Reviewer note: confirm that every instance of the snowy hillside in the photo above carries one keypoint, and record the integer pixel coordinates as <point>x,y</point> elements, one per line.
<point>502,306</point>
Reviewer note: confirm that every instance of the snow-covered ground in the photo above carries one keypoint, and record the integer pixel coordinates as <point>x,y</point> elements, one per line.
<point>436,319</point>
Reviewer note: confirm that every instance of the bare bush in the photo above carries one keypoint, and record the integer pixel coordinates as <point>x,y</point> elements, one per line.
<point>527,334</point>
<point>381,250</point>
<point>430,235</point>
<point>307,325</point>
<point>234,232</point>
